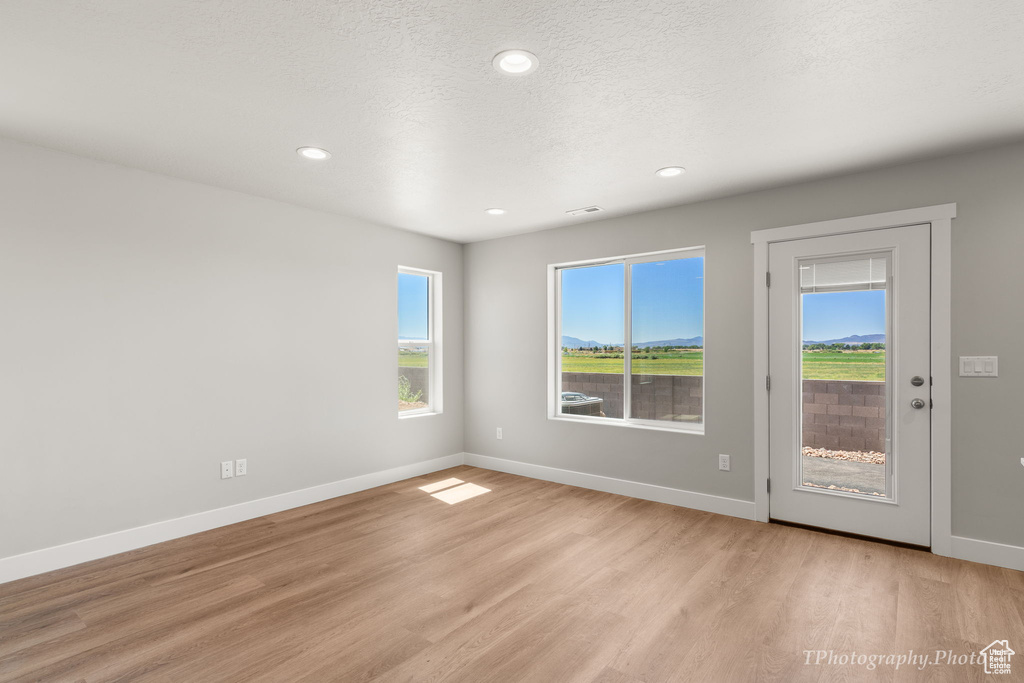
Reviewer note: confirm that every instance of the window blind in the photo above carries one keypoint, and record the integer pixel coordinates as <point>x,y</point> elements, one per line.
<point>848,275</point>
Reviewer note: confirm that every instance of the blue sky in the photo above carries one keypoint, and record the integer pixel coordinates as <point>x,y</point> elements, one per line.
<point>412,306</point>
<point>835,315</point>
<point>667,301</point>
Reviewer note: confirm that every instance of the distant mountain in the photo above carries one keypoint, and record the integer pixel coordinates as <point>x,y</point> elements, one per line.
<point>692,341</point>
<point>575,343</point>
<point>854,339</point>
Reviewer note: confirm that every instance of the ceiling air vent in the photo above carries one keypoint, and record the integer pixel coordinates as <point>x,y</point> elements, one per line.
<point>585,209</point>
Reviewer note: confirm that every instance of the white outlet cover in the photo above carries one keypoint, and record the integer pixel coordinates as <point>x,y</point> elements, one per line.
<point>241,467</point>
<point>227,469</point>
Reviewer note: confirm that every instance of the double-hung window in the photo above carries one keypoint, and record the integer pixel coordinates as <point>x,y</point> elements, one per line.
<point>419,342</point>
<point>627,340</point>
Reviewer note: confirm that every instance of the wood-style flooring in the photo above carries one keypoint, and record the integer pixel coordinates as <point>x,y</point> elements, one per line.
<point>533,581</point>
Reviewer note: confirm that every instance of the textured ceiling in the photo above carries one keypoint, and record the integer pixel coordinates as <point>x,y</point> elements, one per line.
<point>426,135</point>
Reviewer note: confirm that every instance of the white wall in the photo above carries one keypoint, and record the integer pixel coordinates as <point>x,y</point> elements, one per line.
<point>153,327</point>
<point>506,316</point>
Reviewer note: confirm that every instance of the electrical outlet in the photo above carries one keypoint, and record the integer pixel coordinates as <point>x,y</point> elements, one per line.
<point>227,469</point>
<point>499,432</point>
<point>241,467</point>
<point>723,462</point>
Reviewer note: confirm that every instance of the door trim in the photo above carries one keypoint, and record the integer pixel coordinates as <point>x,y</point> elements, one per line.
<point>940,217</point>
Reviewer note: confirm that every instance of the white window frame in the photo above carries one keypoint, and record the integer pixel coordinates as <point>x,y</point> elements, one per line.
<point>554,411</point>
<point>435,396</point>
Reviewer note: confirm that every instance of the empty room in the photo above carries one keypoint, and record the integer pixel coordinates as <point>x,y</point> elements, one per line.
<point>703,320</point>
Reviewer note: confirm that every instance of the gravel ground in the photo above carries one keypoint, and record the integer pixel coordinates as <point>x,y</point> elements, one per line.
<point>405,405</point>
<point>873,457</point>
<point>833,487</point>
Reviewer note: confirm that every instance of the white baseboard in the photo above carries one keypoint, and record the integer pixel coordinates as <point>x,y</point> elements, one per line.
<point>987,552</point>
<point>635,489</point>
<point>57,557</point>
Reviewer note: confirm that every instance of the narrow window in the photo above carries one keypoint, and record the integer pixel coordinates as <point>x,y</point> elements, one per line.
<point>629,346</point>
<point>419,326</point>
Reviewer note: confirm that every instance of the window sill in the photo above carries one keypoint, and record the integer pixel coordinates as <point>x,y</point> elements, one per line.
<point>696,430</point>
<point>418,413</point>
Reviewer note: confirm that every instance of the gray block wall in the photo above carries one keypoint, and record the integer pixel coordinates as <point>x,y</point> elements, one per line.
<point>655,397</point>
<point>847,416</point>
<point>837,415</point>
<point>668,397</point>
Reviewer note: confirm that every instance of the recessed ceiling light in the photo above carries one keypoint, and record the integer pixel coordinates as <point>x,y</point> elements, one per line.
<point>494,212</point>
<point>670,171</point>
<point>314,153</point>
<point>515,62</point>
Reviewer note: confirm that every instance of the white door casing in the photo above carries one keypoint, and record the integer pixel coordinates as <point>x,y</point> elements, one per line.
<point>939,217</point>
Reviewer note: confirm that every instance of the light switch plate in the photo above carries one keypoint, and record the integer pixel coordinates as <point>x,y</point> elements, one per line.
<point>979,366</point>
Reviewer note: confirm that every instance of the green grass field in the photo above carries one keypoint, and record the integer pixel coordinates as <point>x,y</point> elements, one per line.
<point>849,365</point>
<point>683,363</point>
<point>412,360</point>
<point>866,366</point>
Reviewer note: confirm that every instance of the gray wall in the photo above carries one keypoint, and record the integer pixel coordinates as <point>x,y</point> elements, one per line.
<point>153,327</point>
<point>506,318</point>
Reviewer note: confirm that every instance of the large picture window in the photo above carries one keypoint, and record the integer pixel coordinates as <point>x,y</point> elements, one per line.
<point>419,332</point>
<point>629,340</point>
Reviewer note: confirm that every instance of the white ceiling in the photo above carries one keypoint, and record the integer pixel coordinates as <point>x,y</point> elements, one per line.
<point>426,135</point>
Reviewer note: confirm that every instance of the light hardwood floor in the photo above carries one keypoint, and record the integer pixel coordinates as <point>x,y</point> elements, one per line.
<point>533,581</point>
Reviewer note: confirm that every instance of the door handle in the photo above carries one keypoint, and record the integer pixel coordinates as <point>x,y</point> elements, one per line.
<point>917,403</point>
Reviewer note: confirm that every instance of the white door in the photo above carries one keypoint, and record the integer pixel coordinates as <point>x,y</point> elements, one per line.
<point>849,426</point>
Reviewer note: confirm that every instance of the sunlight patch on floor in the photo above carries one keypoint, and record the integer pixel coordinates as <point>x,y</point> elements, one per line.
<point>438,485</point>
<point>460,493</point>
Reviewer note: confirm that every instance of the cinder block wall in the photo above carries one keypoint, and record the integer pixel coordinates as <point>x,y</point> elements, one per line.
<point>837,415</point>
<point>846,416</point>
<point>654,396</point>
